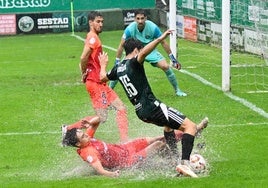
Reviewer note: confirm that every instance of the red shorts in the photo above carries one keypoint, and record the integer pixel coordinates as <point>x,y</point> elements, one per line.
<point>136,149</point>
<point>101,94</point>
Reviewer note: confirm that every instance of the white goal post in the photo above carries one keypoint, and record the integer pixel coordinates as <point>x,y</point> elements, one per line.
<point>172,22</point>
<point>225,39</point>
<point>226,63</point>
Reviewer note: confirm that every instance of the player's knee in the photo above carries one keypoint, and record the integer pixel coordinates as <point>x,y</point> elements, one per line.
<point>165,67</point>
<point>189,127</point>
<point>102,117</point>
<point>122,108</point>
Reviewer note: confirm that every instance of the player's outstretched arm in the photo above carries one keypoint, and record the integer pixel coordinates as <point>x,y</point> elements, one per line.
<point>100,170</point>
<point>120,49</point>
<point>93,121</point>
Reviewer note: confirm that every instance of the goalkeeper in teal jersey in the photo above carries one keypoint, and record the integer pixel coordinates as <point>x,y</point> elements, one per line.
<point>146,31</point>
<point>131,74</point>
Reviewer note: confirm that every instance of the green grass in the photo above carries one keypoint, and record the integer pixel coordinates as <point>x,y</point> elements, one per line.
<point>40,89</point>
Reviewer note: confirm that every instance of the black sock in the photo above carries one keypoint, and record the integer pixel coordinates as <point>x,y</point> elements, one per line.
<point>187,143</point>
<point>171,142</point>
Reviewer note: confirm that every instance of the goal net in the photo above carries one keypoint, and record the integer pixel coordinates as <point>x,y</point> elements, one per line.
<point>249,33</point>
<point>202,22</point>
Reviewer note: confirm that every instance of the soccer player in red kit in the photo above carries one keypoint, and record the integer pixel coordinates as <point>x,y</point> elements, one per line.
<point>101,95</point>
<point>105,157</point>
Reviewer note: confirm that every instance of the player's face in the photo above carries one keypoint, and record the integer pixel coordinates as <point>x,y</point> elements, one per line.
<point>82,137</point>
<point>140,19</point>
<point>97,24</point>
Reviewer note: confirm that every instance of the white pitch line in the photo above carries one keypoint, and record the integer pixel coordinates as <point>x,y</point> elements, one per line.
<point>104,46</point>
<point>27,133</point>
<point>236,125</point>
<point>243,101</point>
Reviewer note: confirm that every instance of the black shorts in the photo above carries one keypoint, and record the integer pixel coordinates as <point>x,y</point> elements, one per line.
<point>162,115</point>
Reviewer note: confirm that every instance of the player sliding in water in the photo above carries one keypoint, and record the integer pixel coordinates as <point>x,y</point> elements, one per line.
<point>107,159</point>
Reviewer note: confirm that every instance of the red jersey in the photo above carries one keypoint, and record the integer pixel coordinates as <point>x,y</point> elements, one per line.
<point>93,64</point>
<point>110,155</point>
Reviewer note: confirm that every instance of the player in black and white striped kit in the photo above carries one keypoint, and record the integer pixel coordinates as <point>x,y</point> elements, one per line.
<point>131,74</point>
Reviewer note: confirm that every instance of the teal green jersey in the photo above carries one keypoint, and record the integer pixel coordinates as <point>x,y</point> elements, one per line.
<point>150,32</point>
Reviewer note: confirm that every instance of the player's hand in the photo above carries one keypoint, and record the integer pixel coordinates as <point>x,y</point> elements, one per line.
<point>103,58</point>
<point>85,123</point>
<point>117,61</point>
<point>175,63</point>
<point>167,33</point>
<point>84,77</point>
<point>116,173</point>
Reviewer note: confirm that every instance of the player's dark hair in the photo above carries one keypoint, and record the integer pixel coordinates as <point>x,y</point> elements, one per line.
<point>140,11</point>
<point>131,44</point>
<point>93,14</point>
<point>71,138</point>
